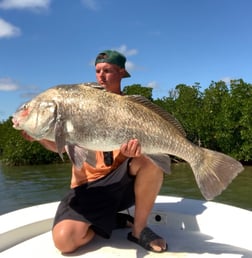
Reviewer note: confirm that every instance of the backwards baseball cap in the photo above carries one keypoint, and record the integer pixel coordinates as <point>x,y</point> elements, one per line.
<point>112,57</point>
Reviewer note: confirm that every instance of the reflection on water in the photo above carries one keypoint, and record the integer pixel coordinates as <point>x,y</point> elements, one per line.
<point>30,185</point>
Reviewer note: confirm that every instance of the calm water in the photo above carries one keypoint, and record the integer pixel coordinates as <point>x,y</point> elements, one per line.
<point>30,185</point>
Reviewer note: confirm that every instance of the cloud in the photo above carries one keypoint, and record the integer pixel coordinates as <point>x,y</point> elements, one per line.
<point>26,92</point>
<point>127,52</point>
<point>153,85</point>
<point>30,91</point>
<point>25,4</point>
<point>226,79</point>
<point>7,84</point>
<point>130,66</point>
<point>91,4</point>
<point>8,30</point>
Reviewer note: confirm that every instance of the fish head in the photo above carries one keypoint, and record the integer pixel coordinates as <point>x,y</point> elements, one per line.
<point>37,118</point>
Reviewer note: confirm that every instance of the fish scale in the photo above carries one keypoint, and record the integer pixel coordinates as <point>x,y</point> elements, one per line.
<point>82,117</point>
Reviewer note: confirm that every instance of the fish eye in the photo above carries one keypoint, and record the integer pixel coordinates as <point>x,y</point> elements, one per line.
<point>24,106</point>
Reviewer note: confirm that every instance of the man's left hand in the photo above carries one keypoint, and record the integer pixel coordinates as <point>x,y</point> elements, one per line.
<point>131,149</point>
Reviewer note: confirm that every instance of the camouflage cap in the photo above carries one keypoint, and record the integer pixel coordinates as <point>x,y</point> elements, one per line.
<point>112,57</point>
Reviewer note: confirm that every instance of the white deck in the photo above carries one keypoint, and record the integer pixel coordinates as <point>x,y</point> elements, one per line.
<point>191,228</point>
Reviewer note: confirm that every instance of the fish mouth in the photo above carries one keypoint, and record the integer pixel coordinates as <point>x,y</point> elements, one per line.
<point>15,122</point>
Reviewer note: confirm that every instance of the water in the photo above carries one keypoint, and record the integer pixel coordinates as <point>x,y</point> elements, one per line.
<point>182,183</point>
<point>24,186</point>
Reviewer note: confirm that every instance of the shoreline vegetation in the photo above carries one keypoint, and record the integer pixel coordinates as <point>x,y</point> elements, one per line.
<point>218,118</point>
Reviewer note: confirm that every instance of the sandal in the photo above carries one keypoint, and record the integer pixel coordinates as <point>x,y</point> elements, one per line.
<point>122,220</point>
<point>146,237</point>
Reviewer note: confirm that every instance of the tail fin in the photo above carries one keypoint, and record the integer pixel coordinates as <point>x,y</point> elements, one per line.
<point>215,172</point>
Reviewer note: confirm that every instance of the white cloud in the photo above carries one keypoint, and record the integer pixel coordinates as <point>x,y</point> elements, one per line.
<point>8,30</point>
<point>30,91</point>
<point>7,84</point>
<point>226,80</point>
<point>153,85</point>
<point>127,52</point>
<point>25,4</point>
<point>91,4</point>
<point>130,66</point>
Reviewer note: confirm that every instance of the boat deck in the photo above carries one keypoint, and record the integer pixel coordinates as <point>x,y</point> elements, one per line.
<point>192,228</point>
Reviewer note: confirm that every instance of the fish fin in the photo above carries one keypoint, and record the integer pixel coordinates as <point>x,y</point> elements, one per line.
<point>94,85</point>
<point>91,158</point>
<point>215,172</point>
<point>60,139</point>
<point>158,110</point>
<point>59,130</point>
<point>161,160</point>
<point>76,154</point>
<point>61,156</point>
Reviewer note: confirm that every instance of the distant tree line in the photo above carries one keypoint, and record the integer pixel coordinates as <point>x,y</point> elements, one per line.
<point>219,118</point>
<point>15,150</point>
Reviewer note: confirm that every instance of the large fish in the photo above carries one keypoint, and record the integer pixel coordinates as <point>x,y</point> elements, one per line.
<point>80,116</point>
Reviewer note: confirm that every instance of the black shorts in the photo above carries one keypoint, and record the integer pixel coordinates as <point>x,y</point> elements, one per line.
<point>98,202</point>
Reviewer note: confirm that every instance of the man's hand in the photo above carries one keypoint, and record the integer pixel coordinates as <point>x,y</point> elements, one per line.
<point>131,149</point>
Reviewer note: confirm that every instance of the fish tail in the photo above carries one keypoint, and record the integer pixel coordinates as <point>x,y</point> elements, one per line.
<point>214,172</point>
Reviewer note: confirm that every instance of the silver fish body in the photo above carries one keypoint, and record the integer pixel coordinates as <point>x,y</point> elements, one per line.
<point>83,116</point>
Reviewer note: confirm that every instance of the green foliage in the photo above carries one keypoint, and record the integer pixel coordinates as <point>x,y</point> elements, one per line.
<point>15,150</point>
<point>220,118</point>
<point>241,112</point>
<point>137,89</point>
<point>215,129</point>
<point>188,110</point>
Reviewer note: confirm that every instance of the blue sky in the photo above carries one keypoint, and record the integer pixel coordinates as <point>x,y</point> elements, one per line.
<point>167,42</point>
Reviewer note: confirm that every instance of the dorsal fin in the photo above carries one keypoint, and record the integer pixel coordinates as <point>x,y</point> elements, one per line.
<point>94,85</point>
<point>158,110</point>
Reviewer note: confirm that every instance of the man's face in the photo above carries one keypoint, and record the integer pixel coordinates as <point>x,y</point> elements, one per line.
<point>109,76</point>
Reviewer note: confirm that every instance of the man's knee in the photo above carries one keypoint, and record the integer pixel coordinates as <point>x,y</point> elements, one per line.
<point>62,239</point>
<point>143,163</point>
<point>68,236</point>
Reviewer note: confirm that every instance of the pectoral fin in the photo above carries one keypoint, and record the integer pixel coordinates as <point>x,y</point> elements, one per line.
<point>60,138</point>
<point>76,154</point>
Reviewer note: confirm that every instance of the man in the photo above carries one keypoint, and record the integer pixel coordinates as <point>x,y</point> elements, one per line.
<point>116,181</point>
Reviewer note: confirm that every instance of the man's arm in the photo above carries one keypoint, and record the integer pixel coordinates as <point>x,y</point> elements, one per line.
<point>49,145</point>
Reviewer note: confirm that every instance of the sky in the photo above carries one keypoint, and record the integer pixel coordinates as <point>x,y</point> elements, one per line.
<point>44,43</point>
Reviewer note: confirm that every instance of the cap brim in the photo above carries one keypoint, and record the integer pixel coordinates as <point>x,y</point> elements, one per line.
<point>126,75</point>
